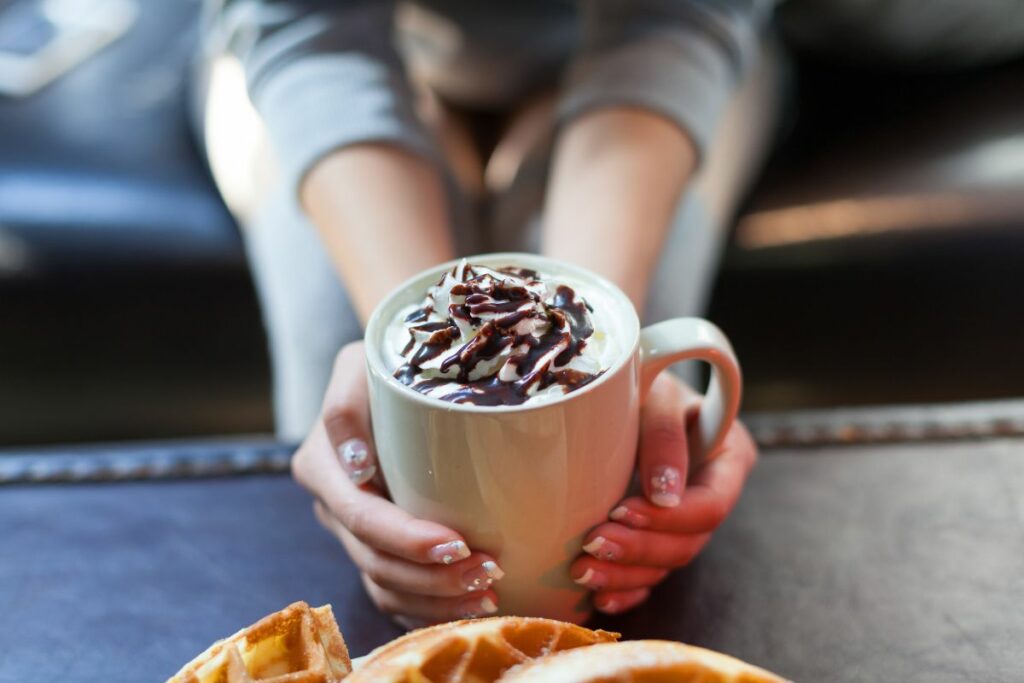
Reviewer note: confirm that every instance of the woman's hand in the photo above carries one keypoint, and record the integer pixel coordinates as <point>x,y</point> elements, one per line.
<point>419,571</point>
<point>665,529</point>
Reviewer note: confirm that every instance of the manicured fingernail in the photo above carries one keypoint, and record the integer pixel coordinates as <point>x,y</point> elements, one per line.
<point>354,454</point>
<point>488,606</point>
<point>603,549</point>
<point>482,577</point>
<point>625,515</point>
<point>493,570</point>
<point>360,477</point>
<point>590,579</point>
<point>447,553</point>
<point>666,486</point>
<point>473,609</point>
<point>356,460</point>
<point>625,601</point>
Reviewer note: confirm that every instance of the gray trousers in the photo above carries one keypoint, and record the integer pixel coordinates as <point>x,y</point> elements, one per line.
<point>306,311</point>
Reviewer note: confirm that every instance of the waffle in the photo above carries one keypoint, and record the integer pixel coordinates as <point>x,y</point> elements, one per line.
<point>299,644</point>
<point>477,651</point>
<point>639,661</point>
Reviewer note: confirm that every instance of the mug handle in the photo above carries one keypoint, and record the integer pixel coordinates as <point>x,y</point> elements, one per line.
<point>679,339</point>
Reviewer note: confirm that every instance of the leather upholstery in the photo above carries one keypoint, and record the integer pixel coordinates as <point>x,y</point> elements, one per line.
<point>879,259</point>
<point>840,564</point>
<point>875,156</point>
<point>127,306</point>
<point>100,169</point>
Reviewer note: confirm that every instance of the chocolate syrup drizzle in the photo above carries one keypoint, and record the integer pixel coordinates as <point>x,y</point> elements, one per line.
<point>538,360</point>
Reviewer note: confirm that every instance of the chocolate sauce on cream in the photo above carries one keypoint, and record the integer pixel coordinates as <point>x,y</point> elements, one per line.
<point>500,335</point>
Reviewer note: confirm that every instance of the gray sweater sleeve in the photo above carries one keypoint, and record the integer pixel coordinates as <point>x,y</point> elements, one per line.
<point>679,58</point>
<point>323,75</point>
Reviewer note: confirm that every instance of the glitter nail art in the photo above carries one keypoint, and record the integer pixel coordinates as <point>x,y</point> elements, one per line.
<point>449,553</point>
<point>355,454</point>
<point>666,486</point>
<point>603,549</point>
<point>482,576</point>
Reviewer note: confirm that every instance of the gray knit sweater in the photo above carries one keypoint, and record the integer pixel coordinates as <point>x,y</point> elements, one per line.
<point>329,73</point>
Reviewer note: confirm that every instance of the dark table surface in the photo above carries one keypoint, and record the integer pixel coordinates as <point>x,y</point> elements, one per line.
<point>858,563</point>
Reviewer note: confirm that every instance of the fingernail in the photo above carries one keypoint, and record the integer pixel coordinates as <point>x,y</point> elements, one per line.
<point>590,579</point>
<point>474,609</point>
<point>360,477</point>
<point>625,601</point>
<point>482,577</point>
<point>666,486</point>
<point>356,460</point>
<point>447,553</point>
<point>624,514</point>
<point>603,549</point>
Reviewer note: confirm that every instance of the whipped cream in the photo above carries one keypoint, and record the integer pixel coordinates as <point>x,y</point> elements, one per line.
<point>499,336</point>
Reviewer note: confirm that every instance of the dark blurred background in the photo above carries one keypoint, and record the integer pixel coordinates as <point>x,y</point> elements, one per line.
<point>878,260</point>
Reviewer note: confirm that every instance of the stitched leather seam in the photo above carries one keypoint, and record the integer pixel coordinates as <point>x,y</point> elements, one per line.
<point>132,462</point>
<point>892,424</point>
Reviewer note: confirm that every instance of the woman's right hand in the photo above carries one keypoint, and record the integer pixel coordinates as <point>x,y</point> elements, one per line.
<point>418,571</point>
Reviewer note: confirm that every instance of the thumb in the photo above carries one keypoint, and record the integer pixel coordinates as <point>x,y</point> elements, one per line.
<point>663,455</point>
<point>346,416</point>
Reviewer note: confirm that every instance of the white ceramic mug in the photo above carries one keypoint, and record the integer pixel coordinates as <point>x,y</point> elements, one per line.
<point>526,483</point>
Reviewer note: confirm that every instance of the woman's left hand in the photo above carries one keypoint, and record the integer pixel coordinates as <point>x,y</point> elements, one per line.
<point>649,536</point>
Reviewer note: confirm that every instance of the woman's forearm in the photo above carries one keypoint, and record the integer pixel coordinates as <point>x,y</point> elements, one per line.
<point>382,214</point>
<point>617,176</point>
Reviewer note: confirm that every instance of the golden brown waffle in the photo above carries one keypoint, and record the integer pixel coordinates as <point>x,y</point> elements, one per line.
<point>639,661</point>
<point>299,644</point>
<point>476,651</point>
